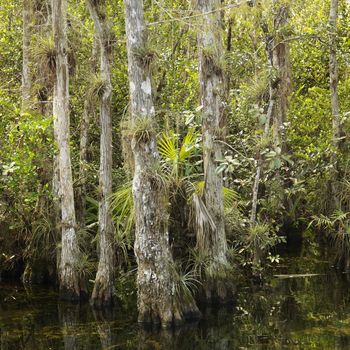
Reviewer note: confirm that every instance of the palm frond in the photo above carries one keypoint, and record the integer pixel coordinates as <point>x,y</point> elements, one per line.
<point>175,158</point>
<point>167,146</point>
<point>91,212</point>
<point>188,146</point>
<point>122,207</point>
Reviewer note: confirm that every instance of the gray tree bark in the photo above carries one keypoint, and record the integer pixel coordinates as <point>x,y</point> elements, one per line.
<point>104,281</point>
<point>26,79</point>
<point>211,55</point>
<point>68,269</point>
<point>334,81</point>
<point>157,301</point>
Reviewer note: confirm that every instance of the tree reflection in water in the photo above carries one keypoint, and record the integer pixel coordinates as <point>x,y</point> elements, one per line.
<point>290,313</point>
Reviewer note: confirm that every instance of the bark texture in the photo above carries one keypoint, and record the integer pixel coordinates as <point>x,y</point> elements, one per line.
<point>104,281</point>
<point>68,269</point>
<point>211,55</point>
<point>26,79</point>
<point>157,300</point>
<point>334,81</point>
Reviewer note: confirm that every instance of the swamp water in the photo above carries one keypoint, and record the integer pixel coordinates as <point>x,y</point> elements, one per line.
<point>288,312</point>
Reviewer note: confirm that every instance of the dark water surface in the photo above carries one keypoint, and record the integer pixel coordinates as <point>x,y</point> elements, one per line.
<point>286,313</point>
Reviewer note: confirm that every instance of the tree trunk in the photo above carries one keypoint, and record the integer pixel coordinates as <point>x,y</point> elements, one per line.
<point>277,52</point>
<point>274,88</point>
<point>334,80</point>
<point>68,270</point>
<point>104,281</point>
<point>281,64</point>
<point>157,300</point>
<point>83,147</point>
<point>211,55</point>
<point>272,101</point>
<point>26,80</point>
<point>83,155</point>
<point>36,22</point>
<point>28,275</point>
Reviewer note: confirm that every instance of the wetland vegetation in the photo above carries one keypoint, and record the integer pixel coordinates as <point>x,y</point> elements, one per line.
<point>174,174</point>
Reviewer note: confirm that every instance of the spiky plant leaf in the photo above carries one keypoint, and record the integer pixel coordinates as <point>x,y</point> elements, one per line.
<point>43,53</point>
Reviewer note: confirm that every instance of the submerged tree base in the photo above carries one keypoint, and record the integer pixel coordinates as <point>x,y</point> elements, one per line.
<point>218,291</point>
<point>218,286</point>
<point>67,294</point>
<point>72,289</point>
<point>170,317</point>
<point>102,295</point>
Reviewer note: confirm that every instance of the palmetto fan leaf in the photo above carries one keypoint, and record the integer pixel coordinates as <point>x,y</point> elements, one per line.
<point>168,147</point>
<point>173,155</point>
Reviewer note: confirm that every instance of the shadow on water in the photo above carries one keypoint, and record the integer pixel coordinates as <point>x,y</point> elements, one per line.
<point>288,312</point>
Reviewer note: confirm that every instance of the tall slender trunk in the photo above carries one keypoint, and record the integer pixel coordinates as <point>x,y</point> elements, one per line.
<point>88,111</point>
<point>68,269</point>
<point>103,288</point>
<point>26,79</point>
<point>228,50</point>
<point>281,64</point>
<point>80,197</point>
<point>27,276</point>
<point>277,51</point>
<point>334,81</point>
<point>37,21</point>
<point>211,55</point>
<point>259,161</point>
<point>157,298</point>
